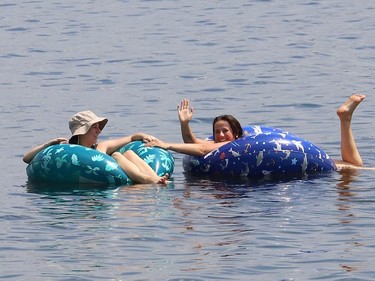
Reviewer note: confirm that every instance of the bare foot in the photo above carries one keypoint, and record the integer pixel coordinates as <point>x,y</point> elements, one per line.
<point>156,179</point>
<point>163,179</point>
<point>345,111</point>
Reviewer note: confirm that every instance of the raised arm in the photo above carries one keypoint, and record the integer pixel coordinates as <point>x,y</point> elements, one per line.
<point>32,152</point>
<point>185,114</point>
<point>110,146</point>
<point>196,149</point>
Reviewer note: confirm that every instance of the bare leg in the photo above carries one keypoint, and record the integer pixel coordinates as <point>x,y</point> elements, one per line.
<point>141,164</point>
<point>135,173</point>
<point>349,151</point>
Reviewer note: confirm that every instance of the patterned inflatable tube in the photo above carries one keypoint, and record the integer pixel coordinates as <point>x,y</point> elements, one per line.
<point>263,151</point>
<point>68,163</point>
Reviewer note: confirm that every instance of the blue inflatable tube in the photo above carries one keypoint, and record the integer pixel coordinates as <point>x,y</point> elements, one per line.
<point>263,151</point>
<point>68,163</point>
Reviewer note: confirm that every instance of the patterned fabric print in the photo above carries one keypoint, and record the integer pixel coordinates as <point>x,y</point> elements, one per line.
<point>75,164</point>
<point>160,160</point>
<point>263,151</point>
<point>67,163</point>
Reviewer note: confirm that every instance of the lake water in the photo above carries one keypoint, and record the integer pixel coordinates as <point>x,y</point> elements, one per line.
<point>281,63</point>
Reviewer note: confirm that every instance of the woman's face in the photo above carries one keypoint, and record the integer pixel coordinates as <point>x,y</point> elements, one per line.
<point>223,131</point>
<point>91,137</point>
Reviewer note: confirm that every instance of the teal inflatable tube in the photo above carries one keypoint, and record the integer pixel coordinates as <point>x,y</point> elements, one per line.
<point>68,163</point>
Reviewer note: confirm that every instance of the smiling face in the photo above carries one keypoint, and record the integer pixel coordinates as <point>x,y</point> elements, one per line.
<point>91,137</point>
<point>226,128</point>
<point>223,131</point>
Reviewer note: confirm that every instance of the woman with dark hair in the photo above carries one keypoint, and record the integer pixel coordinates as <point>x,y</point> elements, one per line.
<point>226,128</point>
<point>233,124</point>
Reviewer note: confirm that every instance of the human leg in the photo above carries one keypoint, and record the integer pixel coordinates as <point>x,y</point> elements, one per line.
<point>139,162</point>
<point>134,172</point>
<point>349,151</point>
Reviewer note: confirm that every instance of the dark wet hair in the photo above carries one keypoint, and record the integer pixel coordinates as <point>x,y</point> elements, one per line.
<point>73,140</point>
<point>233,123</point>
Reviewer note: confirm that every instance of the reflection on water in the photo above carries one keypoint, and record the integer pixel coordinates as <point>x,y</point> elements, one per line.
<point>66,203</point>
<point>343,186</point>
<point>346,201</point>
<point>69,188</point>
<point>346,193</point>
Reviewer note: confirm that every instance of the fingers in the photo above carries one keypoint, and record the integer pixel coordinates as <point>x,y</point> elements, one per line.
<point>148,138</point>
<point>151,143</point>
<point>185,104</point>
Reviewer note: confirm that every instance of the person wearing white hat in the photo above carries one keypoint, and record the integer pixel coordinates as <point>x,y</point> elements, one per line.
<point>85,127</point>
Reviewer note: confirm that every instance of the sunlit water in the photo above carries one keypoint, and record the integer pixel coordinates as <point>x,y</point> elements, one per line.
<point>277,63</point>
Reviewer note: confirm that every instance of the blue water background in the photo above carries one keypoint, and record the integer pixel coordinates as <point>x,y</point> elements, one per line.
<point>281,63</point>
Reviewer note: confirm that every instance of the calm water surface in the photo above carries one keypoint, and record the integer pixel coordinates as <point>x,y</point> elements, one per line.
<point>278,63</point>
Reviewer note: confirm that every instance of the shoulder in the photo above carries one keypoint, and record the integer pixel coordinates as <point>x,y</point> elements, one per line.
<point>102,146</point>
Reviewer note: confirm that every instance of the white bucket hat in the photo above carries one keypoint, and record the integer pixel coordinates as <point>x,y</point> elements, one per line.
<point>82,121</point>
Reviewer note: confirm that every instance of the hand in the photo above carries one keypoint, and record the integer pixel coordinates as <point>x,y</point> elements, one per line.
<point>157,142</point>
<point>58,141</point>
<point>148,138</point>
<point>185,112</point>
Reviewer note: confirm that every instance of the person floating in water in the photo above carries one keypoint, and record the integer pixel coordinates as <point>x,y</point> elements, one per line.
<point>227,128</point>
<point>86,127</point>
